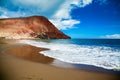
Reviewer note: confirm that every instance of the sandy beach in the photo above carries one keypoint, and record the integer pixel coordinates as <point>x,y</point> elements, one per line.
<point>23,62</point>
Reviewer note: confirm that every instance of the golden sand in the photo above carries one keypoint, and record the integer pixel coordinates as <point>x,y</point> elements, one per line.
<point>23,62</point>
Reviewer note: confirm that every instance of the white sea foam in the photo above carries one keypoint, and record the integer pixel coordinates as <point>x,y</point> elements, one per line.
<point>100,56</point>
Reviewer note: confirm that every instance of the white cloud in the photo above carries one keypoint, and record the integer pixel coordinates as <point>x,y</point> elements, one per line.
<point>65,8</point>
<point>64,13</point>
<point>23,8</point>
<point>65,24</point>
<point>3,13</point>
<point>113,36</point>
<point>58,11</point>
<point>3,16</point>
<point>7,13</point>
<point>43,5</point>
<point>85,2</point>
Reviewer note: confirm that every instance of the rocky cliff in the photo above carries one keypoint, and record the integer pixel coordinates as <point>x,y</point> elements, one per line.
<point>29,27</point>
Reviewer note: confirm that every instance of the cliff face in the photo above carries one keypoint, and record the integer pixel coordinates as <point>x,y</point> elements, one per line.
<point>29,27</point>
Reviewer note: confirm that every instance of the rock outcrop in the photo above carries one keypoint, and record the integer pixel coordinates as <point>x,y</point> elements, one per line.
<point>29,28</point>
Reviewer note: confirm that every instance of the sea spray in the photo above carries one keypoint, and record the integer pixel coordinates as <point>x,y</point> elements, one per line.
<point>100,56</point>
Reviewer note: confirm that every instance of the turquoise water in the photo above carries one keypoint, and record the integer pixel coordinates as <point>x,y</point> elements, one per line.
<point>104,53</point>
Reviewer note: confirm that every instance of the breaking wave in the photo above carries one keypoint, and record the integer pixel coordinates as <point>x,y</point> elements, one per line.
<point>100,56</point>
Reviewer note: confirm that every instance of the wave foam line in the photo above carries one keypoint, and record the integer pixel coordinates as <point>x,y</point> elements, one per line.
<point>105,57</point>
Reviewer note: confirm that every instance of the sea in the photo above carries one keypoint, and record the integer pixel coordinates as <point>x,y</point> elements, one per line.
<point>100,53</point>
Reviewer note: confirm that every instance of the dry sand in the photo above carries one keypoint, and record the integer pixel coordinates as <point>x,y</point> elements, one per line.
<point>23,62</point>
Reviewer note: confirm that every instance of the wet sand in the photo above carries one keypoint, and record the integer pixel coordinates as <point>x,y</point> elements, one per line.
<point>23,62</point>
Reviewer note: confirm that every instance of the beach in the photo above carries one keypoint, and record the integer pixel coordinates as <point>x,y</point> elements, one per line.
<point>24,62</point>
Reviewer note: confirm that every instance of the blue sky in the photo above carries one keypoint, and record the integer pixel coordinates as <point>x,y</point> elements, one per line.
<point>76,18</point>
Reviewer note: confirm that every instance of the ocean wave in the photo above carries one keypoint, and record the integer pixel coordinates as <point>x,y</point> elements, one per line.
<point>100,56</point>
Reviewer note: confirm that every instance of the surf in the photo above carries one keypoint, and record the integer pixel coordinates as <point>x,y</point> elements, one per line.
<point>99,56</point>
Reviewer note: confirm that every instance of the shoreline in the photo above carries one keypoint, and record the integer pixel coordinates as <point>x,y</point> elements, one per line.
<point>21,69</point>
<point>32,53</point>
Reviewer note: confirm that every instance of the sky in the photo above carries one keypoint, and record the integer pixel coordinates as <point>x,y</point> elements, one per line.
<point>76,18</point>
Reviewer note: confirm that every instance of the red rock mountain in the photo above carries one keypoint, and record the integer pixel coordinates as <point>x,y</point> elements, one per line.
<point>29,27</point>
